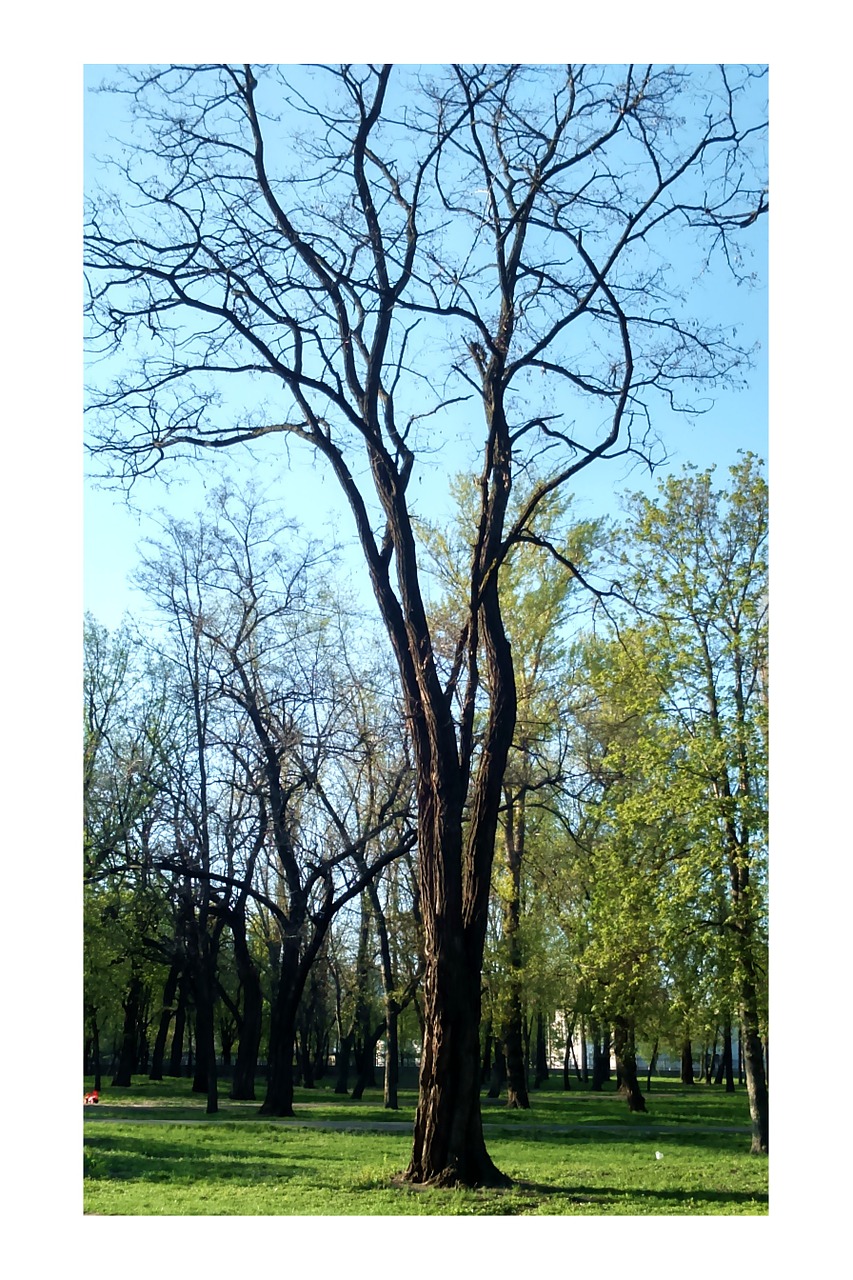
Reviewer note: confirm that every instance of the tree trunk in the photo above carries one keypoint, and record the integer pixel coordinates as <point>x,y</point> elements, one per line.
<point>486,1068</point>
<point>626,1063</point>
<point>584,1066</point>
<point>249,1043</point>
<point>756,1079</point>
<point>687,1076</point>
<point>342,1063</point>
<point>567,1055</point>
<point>512,1037</point>
<point>204,1079</point>
<point>176,1053</point>
<point>653,1062</point>
<point>449,1148</point>
<point>600,1067</point>
<point>541,1065</point>
<point>513,1051</point>
<point>169,993</point>
<point>498,1073</point>
<point>96,1052</point>
<point>741,1067</point>
<point>279,1096</point>
<point>130,1035</point>
<point>306,1063</point>
<point>392,1055</point>
<point>725,1070</point>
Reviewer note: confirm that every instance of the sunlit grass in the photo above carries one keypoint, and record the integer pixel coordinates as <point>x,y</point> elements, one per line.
<point>238,1163</point>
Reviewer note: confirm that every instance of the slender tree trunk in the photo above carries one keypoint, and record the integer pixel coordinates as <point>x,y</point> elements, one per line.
<point>600,1067</point>
<point>724,1066</point>
<point>96,1052</point>
<point>169,992</point>
<point>687,1061</point>
<point>342,1063</point>
<point>512,1036</point>
<point>249,1043</point>
<point>756,1079</point>
<point>498,1072</point>
<point>626,1063</point>
<point>176,1052</point>
<point>727,1059</point>
<point>486,1068</point>
<point>585,1066</point>
<point>392,1055</point>
<point>130,1035</point>
<point>653,1062</point>
<point>541,1065</point>
<point>365,1057</point>
<point>741,1069</point>
<point>306,1063</point>
<point>567,1055</point>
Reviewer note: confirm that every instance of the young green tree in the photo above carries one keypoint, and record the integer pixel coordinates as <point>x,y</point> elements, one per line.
<point>696,557</point>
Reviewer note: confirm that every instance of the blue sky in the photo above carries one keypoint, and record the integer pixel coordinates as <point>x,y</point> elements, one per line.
<point>113,525</point>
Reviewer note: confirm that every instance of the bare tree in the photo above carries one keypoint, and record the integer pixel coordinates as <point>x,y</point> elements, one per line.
<point>377,248</point>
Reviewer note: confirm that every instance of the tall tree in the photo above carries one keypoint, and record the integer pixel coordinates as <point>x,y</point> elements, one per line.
<point>482,231</point>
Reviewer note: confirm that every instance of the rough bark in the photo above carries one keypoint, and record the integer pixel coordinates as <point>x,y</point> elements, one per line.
<point>626,1063</point>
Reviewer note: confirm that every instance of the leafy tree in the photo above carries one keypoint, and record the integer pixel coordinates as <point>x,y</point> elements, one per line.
<point>695,559</point>
<point>501,233</point>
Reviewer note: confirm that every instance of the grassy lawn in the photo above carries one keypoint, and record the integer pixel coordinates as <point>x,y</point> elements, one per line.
<point>180,1161</point>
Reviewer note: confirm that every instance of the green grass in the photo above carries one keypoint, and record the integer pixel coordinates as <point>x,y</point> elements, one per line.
<point>239,1163</point>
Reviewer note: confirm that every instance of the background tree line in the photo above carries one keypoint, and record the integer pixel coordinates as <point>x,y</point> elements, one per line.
<point>250,841</point>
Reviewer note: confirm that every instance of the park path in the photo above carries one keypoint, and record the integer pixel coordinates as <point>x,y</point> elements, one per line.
<point>119,1116</point>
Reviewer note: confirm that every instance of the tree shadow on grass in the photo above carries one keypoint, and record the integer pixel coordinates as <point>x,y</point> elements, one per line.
<point>151,1157</point>
<point>615,1195</point>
